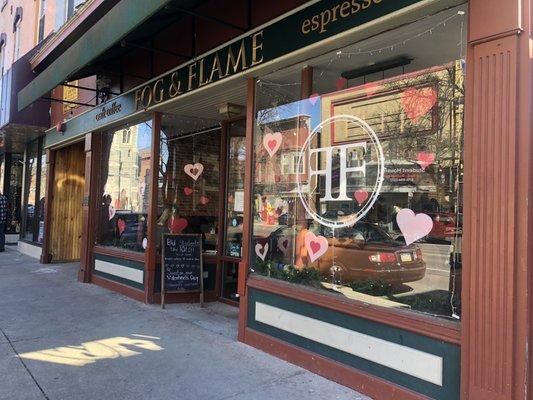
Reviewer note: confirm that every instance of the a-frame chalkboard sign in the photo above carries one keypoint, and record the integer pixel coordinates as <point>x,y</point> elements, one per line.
<point>182,265</point>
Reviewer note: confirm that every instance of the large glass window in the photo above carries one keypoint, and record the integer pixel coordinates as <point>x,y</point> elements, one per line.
<point>125,187</point>
<point>189,179</point>
<point>235,188</point>
<point>30,192</point>
<point>358,188</point>
<point>34,192</point>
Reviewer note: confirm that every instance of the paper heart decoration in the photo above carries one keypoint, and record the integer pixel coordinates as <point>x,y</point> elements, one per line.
<point>417,102</point>
<point>177,225</point>
<point>145,243</point>
<point>194,170</point>
<point>261,250</point>
<point>204,200</point>
<point>187,190</point>
<point>112,212</point>
<point>316,245</point>
<point>314,98</point>
<point>370,89</point>
<point>283,244</point>
<point>121,224</point>
<point>340,83</point>
<point>424,159</point>
<point>272,142</point>
<point>413,226</point>
<point>361,196</point>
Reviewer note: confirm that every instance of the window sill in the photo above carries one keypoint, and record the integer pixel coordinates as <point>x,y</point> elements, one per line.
<point>119,253</point>
<point>426,325</point>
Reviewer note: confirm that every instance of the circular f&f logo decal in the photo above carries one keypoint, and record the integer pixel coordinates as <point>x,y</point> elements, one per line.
<point>340,183</point>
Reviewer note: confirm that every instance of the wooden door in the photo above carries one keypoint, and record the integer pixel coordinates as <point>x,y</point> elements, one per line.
<point>67,199</point>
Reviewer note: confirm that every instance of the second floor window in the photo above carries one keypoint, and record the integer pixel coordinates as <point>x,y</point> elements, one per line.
<point>16,53</point>
<point>42,13</point>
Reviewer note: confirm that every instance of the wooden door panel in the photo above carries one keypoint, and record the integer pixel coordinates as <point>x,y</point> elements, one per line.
<point>67,215</point>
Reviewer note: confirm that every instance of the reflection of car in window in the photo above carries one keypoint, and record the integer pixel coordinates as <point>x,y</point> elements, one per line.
<point>363,251</point>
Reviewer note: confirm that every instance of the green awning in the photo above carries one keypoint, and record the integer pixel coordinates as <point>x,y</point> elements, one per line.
<point>111,28</point>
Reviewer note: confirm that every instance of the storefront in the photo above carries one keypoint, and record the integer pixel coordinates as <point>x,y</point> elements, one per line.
<point>328,159</point>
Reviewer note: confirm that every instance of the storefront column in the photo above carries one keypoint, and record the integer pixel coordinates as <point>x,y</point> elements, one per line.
<point>497,247</point>
<point>150,261</point>
<point>50,160</point>
<point>90,204</point>
<point>248,208</point>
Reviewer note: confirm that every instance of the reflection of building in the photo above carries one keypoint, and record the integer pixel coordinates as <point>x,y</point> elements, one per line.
<point>124,163</point>
<point>418,120</point>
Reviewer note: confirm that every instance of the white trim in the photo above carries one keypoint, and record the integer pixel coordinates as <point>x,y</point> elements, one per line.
<point>30,250</point>
<point>422,365</point>
<point>131,274</point>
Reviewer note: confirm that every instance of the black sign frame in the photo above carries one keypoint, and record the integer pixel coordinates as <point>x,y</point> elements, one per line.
<point>163,268</point>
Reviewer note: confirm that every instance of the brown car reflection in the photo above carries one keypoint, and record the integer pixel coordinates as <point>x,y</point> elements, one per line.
<point>367,252</point>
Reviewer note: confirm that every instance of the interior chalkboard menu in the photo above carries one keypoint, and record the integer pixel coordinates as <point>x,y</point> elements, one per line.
<point>182,265</point>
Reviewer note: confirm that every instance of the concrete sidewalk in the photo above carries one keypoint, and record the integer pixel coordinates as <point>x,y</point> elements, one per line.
<point>61,339</point>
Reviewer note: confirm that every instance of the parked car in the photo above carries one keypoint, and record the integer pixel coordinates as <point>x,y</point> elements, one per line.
<point>366,251</point>
<point>362,252</point>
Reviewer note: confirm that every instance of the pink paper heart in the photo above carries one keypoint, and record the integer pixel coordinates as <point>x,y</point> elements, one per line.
<point>413,226</point>
<point>316,245</point>
<point>121,224</point>
<point>370,89</point>
<point>272,142</point>
<point>340,83</point>
<point>187,190</point>
<point>261,250</point>
<point>204,200</point>
<point>417,102</point>
<point>283,244</point>
<point>194,170</point>
<point>425,159</point>
<point>361,196</point>
<point>314,98</point>
<point>112,212</point>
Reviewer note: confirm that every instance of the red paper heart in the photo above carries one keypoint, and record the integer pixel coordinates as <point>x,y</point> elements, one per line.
<point>187,190</point>
<point>204,200</point>
<point>417,102</point>
<point>121,224</point>
<point>177,225</point>
<point>361,196</point>
<point>272,142</point>
<point>315,246</point>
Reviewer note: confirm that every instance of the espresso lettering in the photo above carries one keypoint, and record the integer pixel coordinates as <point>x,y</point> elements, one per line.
<point>305,27</point>
<point>345,9</point>
<point>319,22</point>
<point>325,17</point>
<point>334,11</point>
